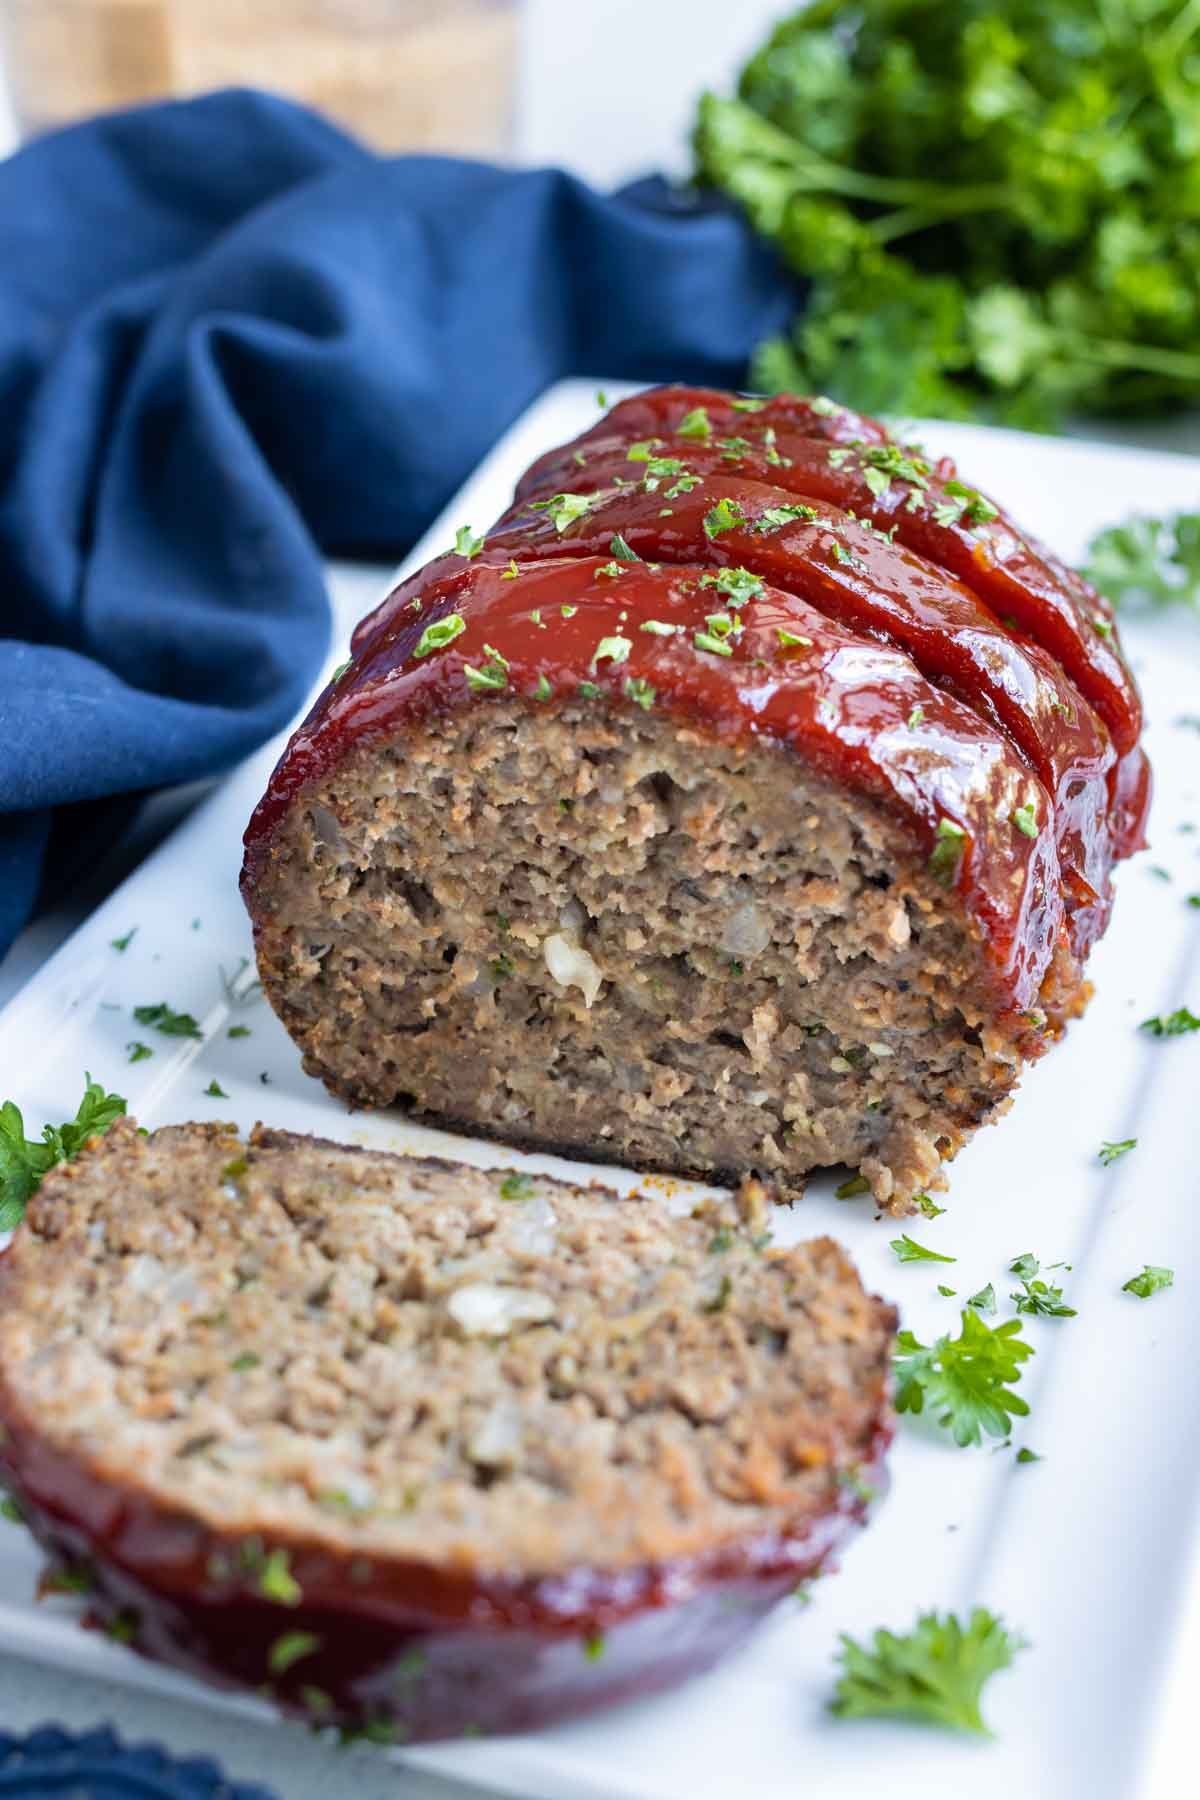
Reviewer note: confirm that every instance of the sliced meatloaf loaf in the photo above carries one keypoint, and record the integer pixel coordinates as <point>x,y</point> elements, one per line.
<point>420,1448</point>
<point>747,798</point>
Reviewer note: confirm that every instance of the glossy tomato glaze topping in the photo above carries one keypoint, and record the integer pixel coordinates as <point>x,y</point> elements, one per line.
<point>825,452</point>
<point>403,1650</point>
<point>771,671</point>
<point>852,573</point>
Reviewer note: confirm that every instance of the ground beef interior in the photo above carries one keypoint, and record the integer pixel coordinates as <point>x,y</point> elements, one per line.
<point>604,934</point>
<point>404,1444</point>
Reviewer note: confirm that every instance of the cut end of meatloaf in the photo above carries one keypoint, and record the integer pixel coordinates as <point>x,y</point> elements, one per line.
<point>602,933</point>
<point>411,1360</point>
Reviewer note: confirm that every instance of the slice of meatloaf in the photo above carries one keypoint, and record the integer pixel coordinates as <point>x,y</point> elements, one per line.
<point>750,801</point>
<point>421,1448</point>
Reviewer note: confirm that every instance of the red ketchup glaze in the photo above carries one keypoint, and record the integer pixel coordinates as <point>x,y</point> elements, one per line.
<point>409,1649</point>
<point>854,710</point>
<point>1004,566</point>
<point>852,574</point>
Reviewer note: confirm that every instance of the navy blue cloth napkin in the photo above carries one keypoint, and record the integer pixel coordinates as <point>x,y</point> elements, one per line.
<point>99,1767</point>
<point>231,339</point>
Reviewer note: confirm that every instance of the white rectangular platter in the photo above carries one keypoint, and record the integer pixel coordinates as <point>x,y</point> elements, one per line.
<point>1088,1551</point>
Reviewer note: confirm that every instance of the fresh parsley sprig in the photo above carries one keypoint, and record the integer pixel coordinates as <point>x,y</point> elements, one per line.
<point>964,1381</point>
<point>935,1673</point>
<point>24,1162</point>
<point>1148,563</point>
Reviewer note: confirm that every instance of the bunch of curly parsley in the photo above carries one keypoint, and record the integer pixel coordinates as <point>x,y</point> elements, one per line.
<point>997,202</point>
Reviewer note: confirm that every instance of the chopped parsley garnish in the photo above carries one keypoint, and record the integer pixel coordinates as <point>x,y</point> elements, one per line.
<point>717,646</point>
<point>611,569</point>
<point>493,677</point>
<point>245,1362</point>
<point>276,1581</point>
<point>1028,1456</point>
<point>588,690</point>
<point>948,843</point>
<point>1101,626</point>
<point>736,586</point>
<point>466,543</point>
<point>138,1052</point>
<point>512,571</point>
<point>1109,1152</point>
<point>238,1031</point>
<point>1025,819</point>
<point>164,1018</point>
<point>516,1187</point>
<point>215,1091</point>
<point>916,717</point>
<point>621,550</point>
<point>726,515</point>
<point>792,640</point>
<point>291,1648</point>
<point>1152,1280</point>
<point>936,1673</point>
<point>908,1250</point>
<point>567,612</point>
<point>640,691</point>
<point>963,504</point>
<point>23,1164</point>
<point>774,518</point>
<point>947,1293</point>
<point>964,1380</point>
<point>840,554</point>
<point>734,449</point>
<point>847,1190</point>
<point>611,649</point>
<point>695,424</point>
<point>720,1299</point>
<point>543,690</point>
<point>1176,1024</point>
<point>985,1300</point>
<point>658,628</point>
<point>881,463</point>
<point>440,633</point>
<point>593,1646</point>
<point>644,451</point>
<point>564,509</point>
<point>123,943</point>
<point>1038,1297</point>
<point>747,404</point>
<point>929,1207</point>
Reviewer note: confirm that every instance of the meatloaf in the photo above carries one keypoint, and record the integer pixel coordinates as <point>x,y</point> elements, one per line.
<point>421,1449</point>
<point>747,798</point>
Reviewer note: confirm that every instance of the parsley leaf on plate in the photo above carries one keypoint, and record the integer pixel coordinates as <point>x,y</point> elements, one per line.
<point>22,1163</point>
<point>1109,1152</point>
<point>164,1018</point>
<point>935,1673</point>
<point>964,1380</point>
<point>1152,1280</point>
<point>1175,1024</point>
<point>908,1250</point>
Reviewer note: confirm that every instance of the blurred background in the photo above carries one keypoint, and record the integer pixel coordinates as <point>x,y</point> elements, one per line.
<point>576,82</point>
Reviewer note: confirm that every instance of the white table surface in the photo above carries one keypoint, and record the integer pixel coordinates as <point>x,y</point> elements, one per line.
<point>592,99</point>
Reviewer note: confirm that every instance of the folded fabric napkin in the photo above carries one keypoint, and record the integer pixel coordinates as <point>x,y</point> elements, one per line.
<point>232,340</point>
<point>99,1767</point>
